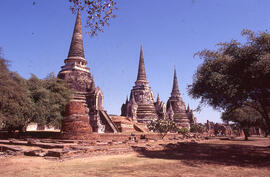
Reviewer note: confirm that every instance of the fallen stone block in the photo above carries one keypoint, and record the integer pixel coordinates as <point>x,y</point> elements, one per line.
<point>10,148</point>
<point>53,153</point>
<point>36,152</point>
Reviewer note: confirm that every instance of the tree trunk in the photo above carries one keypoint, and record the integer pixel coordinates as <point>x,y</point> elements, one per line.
<point>246,133</point>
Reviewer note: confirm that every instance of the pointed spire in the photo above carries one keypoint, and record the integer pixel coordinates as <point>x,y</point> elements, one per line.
<point>188,109</point>
<point>175,89</point>
<point>76,47</point>
<point>127,100</point>
<point>141,71</point>
<point>158,100</point>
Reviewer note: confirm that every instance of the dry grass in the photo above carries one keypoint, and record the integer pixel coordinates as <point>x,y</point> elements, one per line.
<point>213,158</point>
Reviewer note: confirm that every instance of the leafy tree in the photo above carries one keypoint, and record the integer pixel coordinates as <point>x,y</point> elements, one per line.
<point>23,101</point>
<point>163,126</point>
<point>246,117</point>
<point>236,75</point>
<point>15,105</point>
<point>99,13</point>
<point>49,97</point>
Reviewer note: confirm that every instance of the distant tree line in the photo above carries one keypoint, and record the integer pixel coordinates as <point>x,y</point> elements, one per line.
<point>34,100</point>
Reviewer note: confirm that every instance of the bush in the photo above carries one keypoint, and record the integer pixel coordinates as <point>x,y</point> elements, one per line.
<point>197,128</point>
<point>163,126</point>
<point>184,131</point>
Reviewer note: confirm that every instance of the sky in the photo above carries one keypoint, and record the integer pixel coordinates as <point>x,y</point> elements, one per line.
<point>36,39</point>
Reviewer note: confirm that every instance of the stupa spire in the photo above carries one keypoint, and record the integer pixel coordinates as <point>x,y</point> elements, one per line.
<point>158,99</point>
<point>175,89</point>
<point>141,70</point>
<point>76,47</point>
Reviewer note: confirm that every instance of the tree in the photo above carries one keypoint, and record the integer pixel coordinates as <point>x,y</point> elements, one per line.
<point>34,100</point>
<point>50,97</point>
<point>99,13</point>
<point>236,75</point>
<point>246,117</point>
<point>163,126</point>
<point>15,104</point>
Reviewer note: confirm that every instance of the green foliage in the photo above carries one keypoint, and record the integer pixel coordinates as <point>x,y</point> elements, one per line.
<point>23,101</point>
<point>15,105</point>
<point>49,97</point>
<point>245,117</point>
<point>99,13</point>
<point>163,126</point>
<point>184,131</point>
<point>236,75</point>
<point>197,128</point>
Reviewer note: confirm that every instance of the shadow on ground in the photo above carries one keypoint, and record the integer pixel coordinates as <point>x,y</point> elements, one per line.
<point>194,154</point>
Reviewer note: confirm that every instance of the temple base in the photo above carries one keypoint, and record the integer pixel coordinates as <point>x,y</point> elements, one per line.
<point>76,120</point>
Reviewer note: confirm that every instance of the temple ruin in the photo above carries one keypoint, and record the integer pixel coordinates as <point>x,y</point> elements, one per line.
<point>141,105</point>
<point>176,109</point>
<point>85,114</point>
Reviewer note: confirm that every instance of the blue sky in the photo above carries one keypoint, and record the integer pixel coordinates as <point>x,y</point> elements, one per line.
<point>36,39</point>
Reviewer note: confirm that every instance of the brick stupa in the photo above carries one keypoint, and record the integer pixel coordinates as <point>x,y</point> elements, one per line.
<point>84,113</point>
<point>176,109</point>
<point>141,105</point>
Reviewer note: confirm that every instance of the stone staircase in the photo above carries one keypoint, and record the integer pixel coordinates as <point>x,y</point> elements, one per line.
<point>105,116</point>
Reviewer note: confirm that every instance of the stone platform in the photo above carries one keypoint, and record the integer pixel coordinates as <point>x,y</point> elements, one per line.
<point>106,144</point>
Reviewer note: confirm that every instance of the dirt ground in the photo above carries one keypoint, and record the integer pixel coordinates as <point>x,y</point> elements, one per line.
<point>232,158</point>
